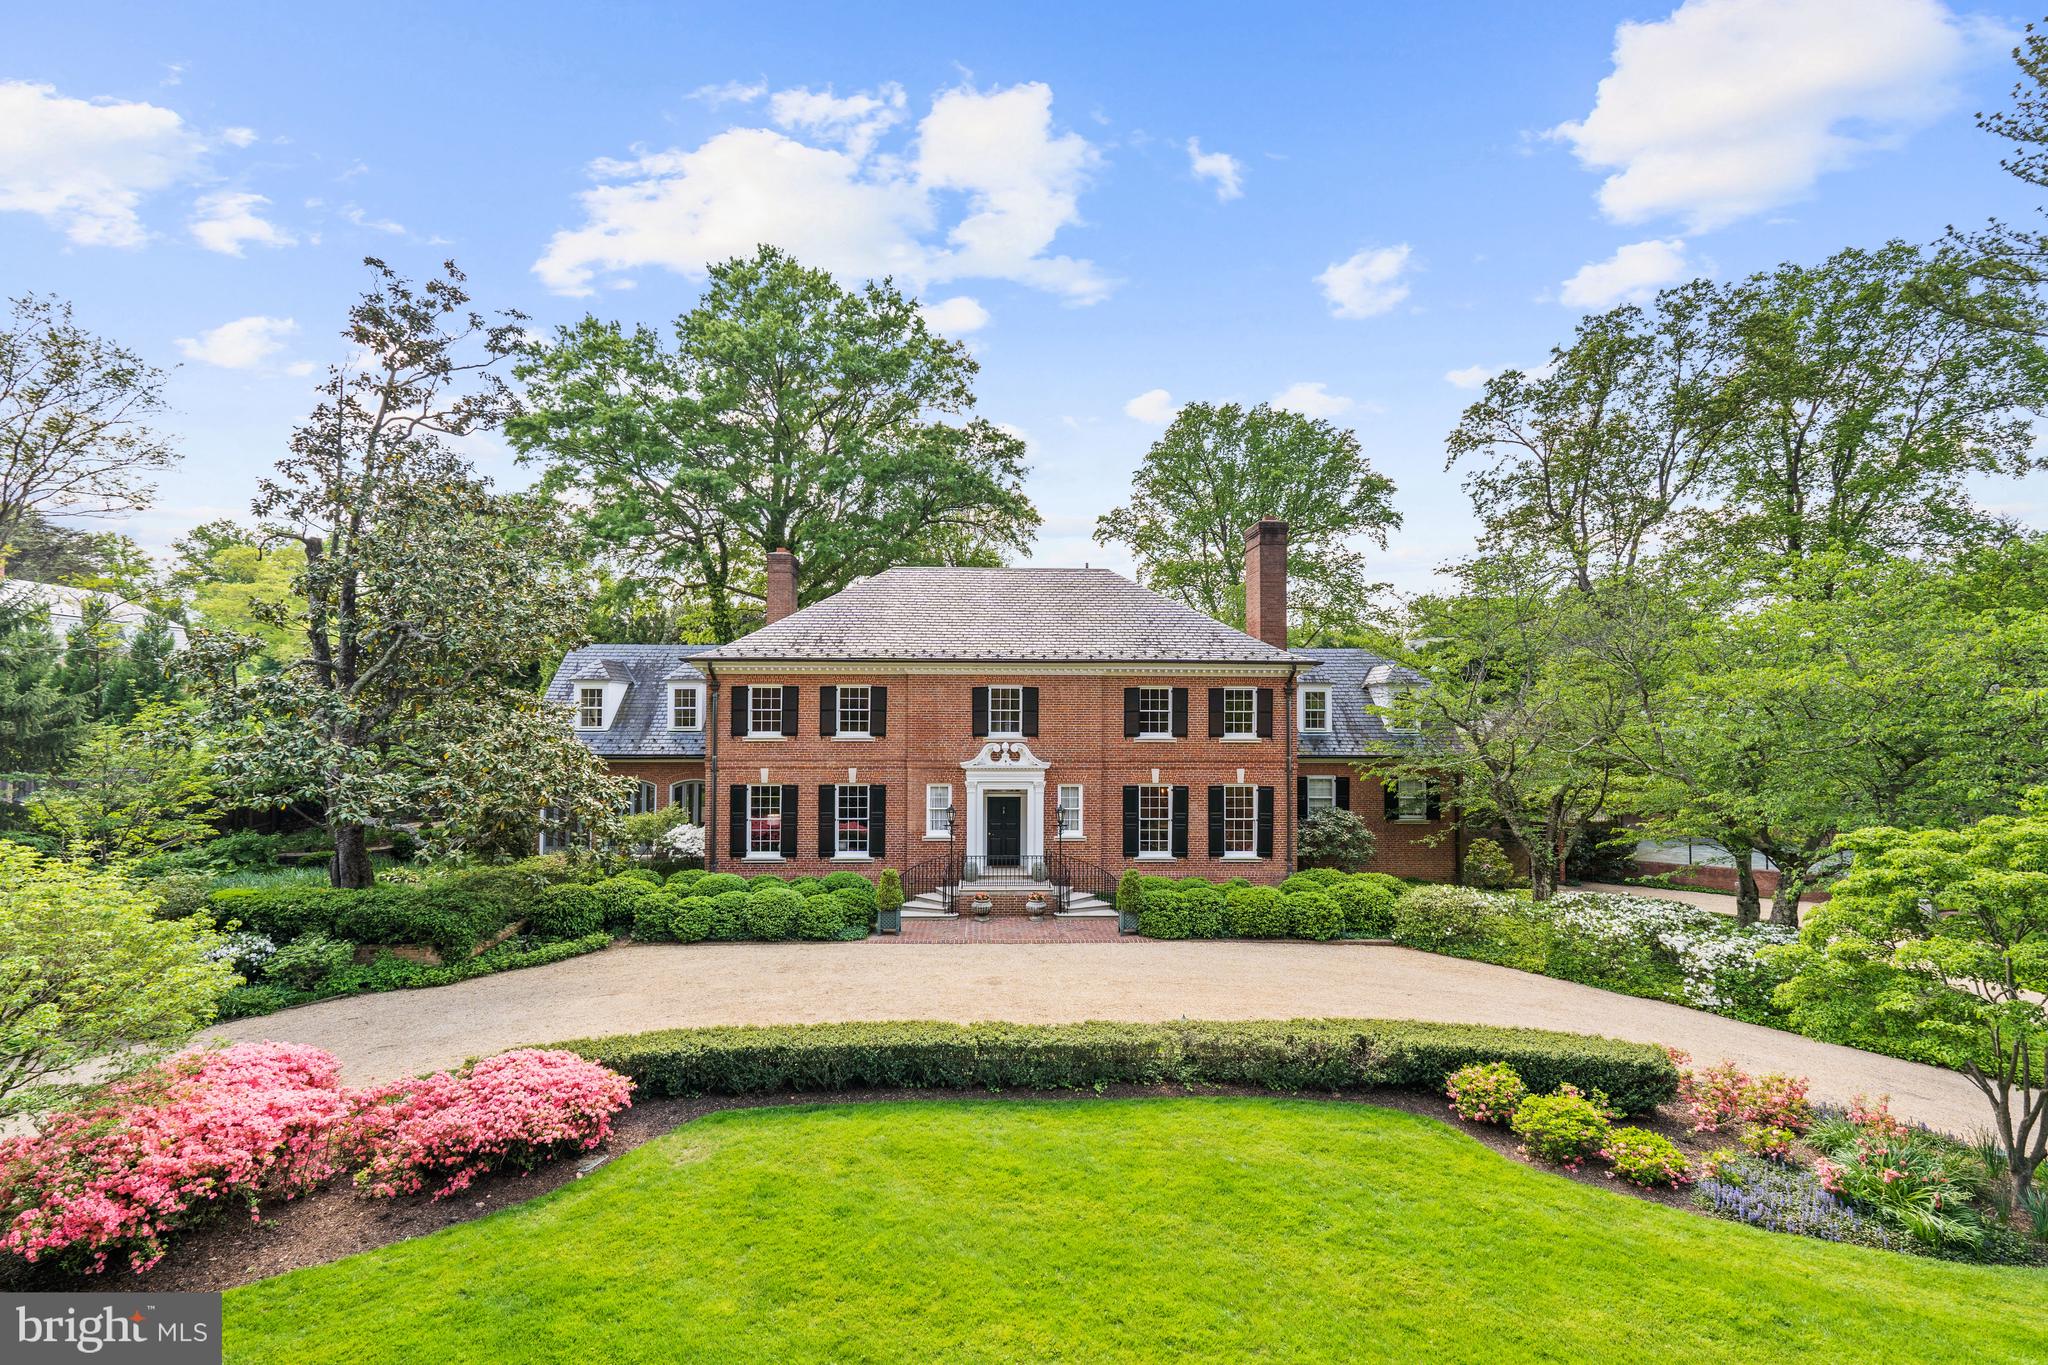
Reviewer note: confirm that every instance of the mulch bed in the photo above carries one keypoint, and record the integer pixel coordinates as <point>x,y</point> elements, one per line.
<point>335,1221</point>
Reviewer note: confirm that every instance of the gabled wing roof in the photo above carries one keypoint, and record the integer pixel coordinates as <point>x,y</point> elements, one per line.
<point>640,729</point>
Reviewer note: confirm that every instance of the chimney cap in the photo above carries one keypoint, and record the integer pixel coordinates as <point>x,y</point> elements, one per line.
<point>1265,526</point>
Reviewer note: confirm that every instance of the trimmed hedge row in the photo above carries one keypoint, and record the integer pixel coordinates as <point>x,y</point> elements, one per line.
<point>1295,1054</point>
<point>395,974</point>
<point>1322,903</point>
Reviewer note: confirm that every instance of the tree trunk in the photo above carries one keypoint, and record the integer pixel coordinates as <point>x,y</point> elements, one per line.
<point>350,868</point>
<point>1785,900</point>
<point>1748,902</point>
<point>1542,880</point>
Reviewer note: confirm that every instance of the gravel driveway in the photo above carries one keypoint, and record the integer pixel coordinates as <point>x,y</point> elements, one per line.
<point>649,986</point>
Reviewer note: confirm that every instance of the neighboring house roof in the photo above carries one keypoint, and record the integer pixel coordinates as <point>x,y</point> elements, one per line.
<point>1355,731</point>
<point>640,729</point>
<point>1000,616</point>
<point>66,606</point>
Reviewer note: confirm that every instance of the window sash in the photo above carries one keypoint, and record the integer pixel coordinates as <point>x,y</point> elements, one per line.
<point>643,798</point>
<point>855,705</point>
<point>938,809</point>
<point>764,710</point>
<point>1240,821</point>
<point>851,826</point>
<point>590,707</point>
<point>690,796</point>
<point>1315,709</point>
<point>1069,809</point>
<point>1240,712</point>
<point>1155,820</point>
<point>1411,798</point>
<point>764,819</point>
<point>1155,712</point>
<point>682,708</point>
<point>1322,795</point>
<point>1006,711</point>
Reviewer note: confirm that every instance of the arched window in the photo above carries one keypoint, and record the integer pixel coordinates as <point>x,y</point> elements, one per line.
<point>690,796</point>
<point>643,797</point>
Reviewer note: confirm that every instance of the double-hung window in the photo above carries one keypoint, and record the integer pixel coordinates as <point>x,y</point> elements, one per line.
<point>1240,713</point>
<point>1411,798</point>
<point>851,824</point>
<point>590,708</point>
<point>1322,795</point>
<point>1070,810</point>
<point>1006,711</point>
<point>855,710</point>
<point>1155,713</point>
<point>764,711</point>
<point>938,811</point>
<point>1241,821</point>
<point>685,709</point>
<point>1315,710</point>
<point>1155,822</point>
<point>764,822</point>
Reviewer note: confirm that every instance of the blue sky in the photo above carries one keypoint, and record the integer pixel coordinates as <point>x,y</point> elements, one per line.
<point>1361,207</point>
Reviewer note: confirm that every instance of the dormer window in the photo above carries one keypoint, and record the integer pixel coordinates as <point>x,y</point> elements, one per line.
<point>685,707</point>
<point>590,708</point>
<point>1315,710</point>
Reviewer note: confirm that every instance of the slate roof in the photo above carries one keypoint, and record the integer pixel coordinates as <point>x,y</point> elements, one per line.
<point>640,729</point>
<point>1000,616</point>
<point>1355,732</point>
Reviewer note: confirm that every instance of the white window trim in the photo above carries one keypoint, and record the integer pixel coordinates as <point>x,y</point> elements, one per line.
<point>929,788</point>
<point>841,855</point>
<point>1156,855</point>
<point>1154,736</point>
<point>839,730</point>
<point>1080,830</point>
<point>673,689</point>
<point>1250,855</point>
<point>582,694</point>
<point>1421,819</point>
<point>1240,737</point>
<point>776,733</point>
<point>1302,719</point>
<point>764,855</point>
<point>1309,808</point>
<point>994,733</point>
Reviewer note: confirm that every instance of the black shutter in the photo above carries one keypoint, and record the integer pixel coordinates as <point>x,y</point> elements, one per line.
<point>1130,822</point>
<point>878,711</point>
<point>739,711</point>
<point>1343,793</point>
<point>736,840</point>
<point>1030,726</point>
<point>789,815</point>
<point>980,712</point>
<point>1215,713</point>
<point>878,821</point>
<point>1265,822</point>
<point>1433,805</point>
<point>789,705</point>
<point>1180,713</point>
<point>828,711</point>
<point>1215,822</point>
<point>1180,822</point>
<point>1265,713</point>
<point>1130,714</point>
<point>1301,798</point>
<point>1393,810</point>
<point>828,820</point>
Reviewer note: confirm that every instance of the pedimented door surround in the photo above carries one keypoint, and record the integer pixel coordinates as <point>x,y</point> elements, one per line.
<point>1007,766</point>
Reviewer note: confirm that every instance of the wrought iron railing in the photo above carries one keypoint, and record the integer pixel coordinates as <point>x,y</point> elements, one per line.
<point>998,871</point>
<point>933,874</point>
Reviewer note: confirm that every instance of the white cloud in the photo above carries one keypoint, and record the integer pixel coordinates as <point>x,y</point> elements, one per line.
<point>982,193</point>
<point>1471,377</point>
<point>238,137</point>
<point>84,166</point>
<point>1223,168</point>
<point>1368,283</point>
<point>1727,108</point>
<point>730,92</point>
<point>1154,407</point>
<point>1313,400</point>
<point>956,316</point>
<point>1633,274</point>
<point>363,220</point>
<point>223,222</point>
<point>854,121</point>
<point>242,344</point>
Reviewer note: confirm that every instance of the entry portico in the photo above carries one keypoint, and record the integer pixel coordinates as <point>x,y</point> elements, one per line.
<point>1005,771</point>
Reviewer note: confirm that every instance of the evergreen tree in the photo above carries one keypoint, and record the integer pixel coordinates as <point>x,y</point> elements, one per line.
<point>40,721</point>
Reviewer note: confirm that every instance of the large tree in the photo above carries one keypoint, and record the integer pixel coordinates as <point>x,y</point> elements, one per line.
<point>791,412</point>
<point>75,419</point>
<point>39,720</point>
<point>424,596</point>
<point>1218,469</point>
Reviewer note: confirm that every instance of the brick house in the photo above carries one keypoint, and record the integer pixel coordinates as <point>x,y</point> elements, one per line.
<point>1019,727</point>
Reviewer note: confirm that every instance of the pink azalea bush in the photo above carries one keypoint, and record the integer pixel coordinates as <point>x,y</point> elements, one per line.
<point>1485,1092</point>
<point>249,1122</point>
<point>515,1109</point>
<point>1644,1158</point>
<point>1724,1096</point>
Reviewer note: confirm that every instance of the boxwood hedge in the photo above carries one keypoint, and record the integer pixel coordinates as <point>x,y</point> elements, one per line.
<point>1295,1054</point>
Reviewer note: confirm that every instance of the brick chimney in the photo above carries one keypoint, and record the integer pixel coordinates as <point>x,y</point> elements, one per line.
<point>781,585</point>
<point>1265,581</point>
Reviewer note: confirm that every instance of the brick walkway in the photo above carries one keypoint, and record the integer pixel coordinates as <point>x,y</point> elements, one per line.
<point>1007,929</point>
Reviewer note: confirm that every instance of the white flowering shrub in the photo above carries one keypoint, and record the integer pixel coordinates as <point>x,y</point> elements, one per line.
<point>684,841</point>
<point>1720,963</point>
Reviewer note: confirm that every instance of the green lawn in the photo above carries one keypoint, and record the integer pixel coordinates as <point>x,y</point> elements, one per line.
<point>1195,1229</point>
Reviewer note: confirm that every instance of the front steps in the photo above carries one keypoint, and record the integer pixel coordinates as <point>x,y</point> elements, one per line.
<point>931,905</point>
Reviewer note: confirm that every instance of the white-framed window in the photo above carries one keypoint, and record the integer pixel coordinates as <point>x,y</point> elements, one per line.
<point>643,798</point>
<point>851,837</point>
<point>590,708</point>
<point>685,707</point>
<point>1006,711</point>
<point>764,711</point>
<point>1240,713</point>
<point>1315,710</point>
<point>1240,821</point>
<point>1322,795</point>
<point>1069,810</point>
<point>1411,798</point>
<point>764,821</point>
<point>689,796</point>
<point>1155,822</point>
<point>938,811</point>
<point>855,712</point>
<point>1155,713</point>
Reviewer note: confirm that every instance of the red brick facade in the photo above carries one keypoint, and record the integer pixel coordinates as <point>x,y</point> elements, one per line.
<point>1407,848</point>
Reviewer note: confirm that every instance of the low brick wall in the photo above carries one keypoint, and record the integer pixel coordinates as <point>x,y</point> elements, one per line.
<point>1710,877</point>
